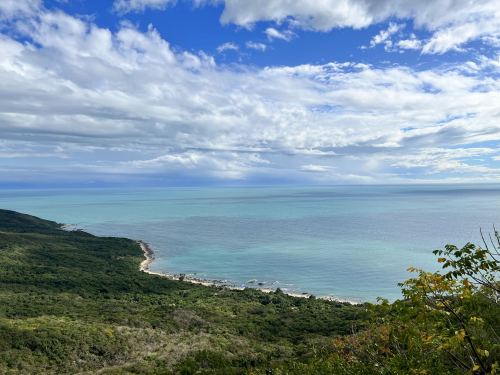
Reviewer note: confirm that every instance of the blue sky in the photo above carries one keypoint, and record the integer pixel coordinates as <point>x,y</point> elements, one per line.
<point>196,92</point>
<point>191,27</point>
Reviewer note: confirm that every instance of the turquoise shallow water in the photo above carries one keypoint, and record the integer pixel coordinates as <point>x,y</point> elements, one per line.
<point>352,242</point>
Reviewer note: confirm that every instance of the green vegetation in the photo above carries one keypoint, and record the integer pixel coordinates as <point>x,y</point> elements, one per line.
<point>72,303</point>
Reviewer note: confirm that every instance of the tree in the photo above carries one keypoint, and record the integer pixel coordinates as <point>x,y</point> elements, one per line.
<point>457,310</point>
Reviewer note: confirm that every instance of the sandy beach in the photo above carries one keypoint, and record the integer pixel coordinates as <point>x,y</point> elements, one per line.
<point>149,256</point>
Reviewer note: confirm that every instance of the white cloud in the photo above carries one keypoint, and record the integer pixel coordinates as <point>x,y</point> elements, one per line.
<point>127,6</point>
<point>256,46</point>
<point>225,165</point>
<point>384,36</point>
<point>452,37</point>
<point>436,160</point>
<point>493,40</point>
<point>13,8</point>
<point>482,63</point>
<point>490,62</point>
<point>314,168</point>
<point>452,23</point>
<point>273,33</point>
<point>229,46</point>
<point>412,43</point>
<point>125,103</point>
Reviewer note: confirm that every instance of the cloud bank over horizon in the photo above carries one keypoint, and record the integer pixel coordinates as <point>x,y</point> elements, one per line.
<point>81,101</point>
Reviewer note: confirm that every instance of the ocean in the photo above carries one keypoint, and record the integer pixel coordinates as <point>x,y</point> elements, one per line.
<point>348,242</point>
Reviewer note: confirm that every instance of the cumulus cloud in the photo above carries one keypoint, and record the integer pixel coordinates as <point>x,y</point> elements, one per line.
<point>452,23</point>
<point>384,36</point>
<point>101,103</point>
<point>412,43</point>
<point>127,6</point>
<point>393,39</point>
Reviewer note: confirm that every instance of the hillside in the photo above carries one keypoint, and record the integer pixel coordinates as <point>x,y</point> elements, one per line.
<point>71,302</point>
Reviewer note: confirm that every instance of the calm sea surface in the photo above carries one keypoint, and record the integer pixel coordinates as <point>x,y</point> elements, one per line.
<point>352,242</point>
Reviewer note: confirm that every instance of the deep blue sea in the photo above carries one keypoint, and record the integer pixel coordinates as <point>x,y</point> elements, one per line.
<point>350,242</point>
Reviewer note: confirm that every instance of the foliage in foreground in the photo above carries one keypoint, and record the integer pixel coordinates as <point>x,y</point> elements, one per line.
<point>71,302</point>
<point>447,323</point>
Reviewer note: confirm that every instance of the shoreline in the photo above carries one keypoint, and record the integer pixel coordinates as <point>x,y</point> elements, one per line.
<point>149,256</point>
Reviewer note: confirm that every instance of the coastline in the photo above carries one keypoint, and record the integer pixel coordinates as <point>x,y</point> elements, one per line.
<point>149,257</point>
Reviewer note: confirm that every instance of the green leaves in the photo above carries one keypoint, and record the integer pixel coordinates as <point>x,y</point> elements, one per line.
<point>459,309</point>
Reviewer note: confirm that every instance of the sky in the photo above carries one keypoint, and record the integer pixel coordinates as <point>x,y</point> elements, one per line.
<point>238,92</point>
